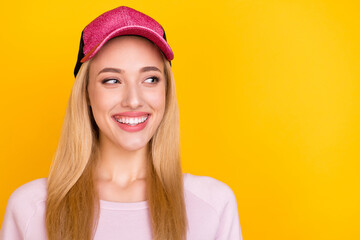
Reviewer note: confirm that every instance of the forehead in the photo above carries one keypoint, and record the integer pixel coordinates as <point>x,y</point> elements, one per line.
<point>128,53</point>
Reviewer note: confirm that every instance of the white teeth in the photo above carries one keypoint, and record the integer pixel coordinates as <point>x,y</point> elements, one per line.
<point>131,121</point>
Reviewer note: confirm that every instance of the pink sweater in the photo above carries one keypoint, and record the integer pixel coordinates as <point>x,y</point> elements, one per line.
<point>210,204</point>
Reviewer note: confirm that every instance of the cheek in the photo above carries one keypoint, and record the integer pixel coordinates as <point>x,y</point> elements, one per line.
<point>100,103</point>
<point>157,102</point>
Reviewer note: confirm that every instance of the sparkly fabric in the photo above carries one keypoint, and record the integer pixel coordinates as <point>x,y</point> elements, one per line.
<point>122,21</point>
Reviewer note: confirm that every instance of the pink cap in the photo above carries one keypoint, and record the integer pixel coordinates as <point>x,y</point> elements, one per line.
<point>122,21</point>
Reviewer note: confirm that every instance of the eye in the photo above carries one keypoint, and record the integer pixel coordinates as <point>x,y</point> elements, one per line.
<point>110,81</point>
<point>152,79</point>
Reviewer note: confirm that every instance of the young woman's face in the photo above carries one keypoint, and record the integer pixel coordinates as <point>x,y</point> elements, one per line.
<point>127,91</point>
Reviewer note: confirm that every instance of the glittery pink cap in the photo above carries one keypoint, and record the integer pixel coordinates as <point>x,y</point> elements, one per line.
<point>122,21</point>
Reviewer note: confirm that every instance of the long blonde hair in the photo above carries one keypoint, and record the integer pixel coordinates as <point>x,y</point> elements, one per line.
<point>72,206</point>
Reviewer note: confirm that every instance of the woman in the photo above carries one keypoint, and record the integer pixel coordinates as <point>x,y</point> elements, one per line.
<point>117,173</point>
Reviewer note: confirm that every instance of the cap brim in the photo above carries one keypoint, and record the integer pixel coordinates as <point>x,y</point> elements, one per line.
<point>134,30</point>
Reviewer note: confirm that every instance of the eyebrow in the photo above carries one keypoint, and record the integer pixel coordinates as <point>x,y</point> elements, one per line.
<point>118,70</point>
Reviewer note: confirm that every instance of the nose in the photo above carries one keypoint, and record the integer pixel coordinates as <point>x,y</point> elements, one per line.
<point>131,97</point>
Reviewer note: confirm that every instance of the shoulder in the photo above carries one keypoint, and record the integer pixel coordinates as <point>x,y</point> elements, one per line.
<point>210,190</point>
<point>29,193</point>
<point>22,206</point>
<point>206,187</point>
<point>211,202</point>
<point>25,200</point>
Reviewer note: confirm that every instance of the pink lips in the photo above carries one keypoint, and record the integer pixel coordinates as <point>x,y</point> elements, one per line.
<point>130,128</point>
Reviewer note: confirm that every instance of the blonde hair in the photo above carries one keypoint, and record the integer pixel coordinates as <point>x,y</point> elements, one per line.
<point>72,205</point>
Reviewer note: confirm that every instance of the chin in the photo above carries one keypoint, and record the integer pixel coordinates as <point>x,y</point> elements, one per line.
<point>133,146</point>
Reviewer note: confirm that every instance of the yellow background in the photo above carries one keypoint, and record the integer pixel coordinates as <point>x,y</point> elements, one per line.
<point>269,95</point>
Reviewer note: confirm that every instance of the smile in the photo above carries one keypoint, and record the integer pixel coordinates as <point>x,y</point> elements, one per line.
<point>131,121</point>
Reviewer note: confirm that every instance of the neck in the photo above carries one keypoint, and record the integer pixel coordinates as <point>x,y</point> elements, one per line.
<point>119,165</point>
